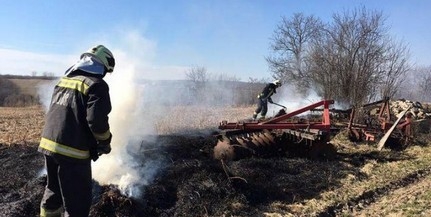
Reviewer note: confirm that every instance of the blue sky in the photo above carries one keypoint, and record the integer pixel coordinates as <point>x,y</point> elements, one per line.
<point>162,39</point>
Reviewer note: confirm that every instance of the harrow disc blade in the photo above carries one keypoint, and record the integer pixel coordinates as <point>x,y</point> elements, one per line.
<point>264,140</point>
<point>252,138</point>
<point>241,141</point>
<point>268,136</point>
<point>267,143</point>
<point>256,138</point>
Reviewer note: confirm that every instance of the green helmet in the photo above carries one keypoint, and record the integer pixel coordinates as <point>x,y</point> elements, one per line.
<point>104,55</point>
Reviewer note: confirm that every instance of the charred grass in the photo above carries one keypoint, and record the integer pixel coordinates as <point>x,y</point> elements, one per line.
<point>360,181</point>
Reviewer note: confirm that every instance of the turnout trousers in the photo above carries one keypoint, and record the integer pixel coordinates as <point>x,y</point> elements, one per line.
<point>68,188</point>
<point>262,108</point>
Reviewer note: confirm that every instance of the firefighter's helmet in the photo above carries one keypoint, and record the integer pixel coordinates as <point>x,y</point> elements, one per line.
<point>277,83</point>
<point>104,55</point>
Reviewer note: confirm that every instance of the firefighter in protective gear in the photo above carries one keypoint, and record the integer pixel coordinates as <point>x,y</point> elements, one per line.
<point>265,97</point>
<point>76,130</point>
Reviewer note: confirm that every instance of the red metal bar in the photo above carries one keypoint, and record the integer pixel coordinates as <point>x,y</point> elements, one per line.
<point>275,123</point>
<point>325,103</point>
<point>255,126</point>
<point>385,112</point>
<point>326,118</point>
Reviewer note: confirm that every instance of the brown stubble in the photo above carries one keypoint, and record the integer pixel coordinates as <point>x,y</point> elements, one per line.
<point>21,125</point>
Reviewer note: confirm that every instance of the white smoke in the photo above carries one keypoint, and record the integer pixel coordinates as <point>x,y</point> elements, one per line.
<point>112,168</point>
<point>44,93</point>
<point>128,121</point>
<point>288,96</point>
<point>130,124</point>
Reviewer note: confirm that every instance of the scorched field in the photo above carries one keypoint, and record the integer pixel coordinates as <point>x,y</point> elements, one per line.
<point>360,181</point>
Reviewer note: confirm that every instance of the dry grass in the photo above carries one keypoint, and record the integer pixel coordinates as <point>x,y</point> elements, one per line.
<point>413,200</point>
<point>191,119</point>
<point>377,172</point>
<point>24,125</point>
<point>21,125</point>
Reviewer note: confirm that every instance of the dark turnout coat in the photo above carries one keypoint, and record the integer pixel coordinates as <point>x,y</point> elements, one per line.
<point>77,117</point>
<point>267,92</point>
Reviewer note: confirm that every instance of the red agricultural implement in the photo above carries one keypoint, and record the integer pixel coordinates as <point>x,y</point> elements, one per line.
<point>309,135</point>
<point>385,125</point>
<point>291,133</point>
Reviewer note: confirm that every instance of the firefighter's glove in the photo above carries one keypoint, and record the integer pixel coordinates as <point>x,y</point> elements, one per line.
<point>104,146</point>
<point>93,154</point>
<point>270,100</point>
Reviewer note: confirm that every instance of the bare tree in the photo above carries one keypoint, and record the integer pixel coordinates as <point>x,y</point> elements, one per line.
<point>354,45</point>
<point>417,85</point>
<point>217,89</point>
<point>350,59</point>
<point>394,69</point>
<point>224,77</point>
<point>48,74</point>
<point>290,43</point>
<point>197,74</point>
<point>323,71</point>
<point>424,84</point>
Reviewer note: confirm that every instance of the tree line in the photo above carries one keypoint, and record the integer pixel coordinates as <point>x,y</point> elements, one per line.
<point>221,89</point>
<point>45,76</point>
<point>11,96</point>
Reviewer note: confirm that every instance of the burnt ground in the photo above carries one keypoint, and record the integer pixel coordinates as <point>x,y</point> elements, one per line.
<point>193,183</point>
<point>21,186</point>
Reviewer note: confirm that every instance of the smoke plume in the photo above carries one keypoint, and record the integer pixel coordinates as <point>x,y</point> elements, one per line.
<point>129,122</point>
<point>288,96</point>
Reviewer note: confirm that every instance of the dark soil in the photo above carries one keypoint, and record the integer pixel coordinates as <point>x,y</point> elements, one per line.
<point>21,186</point>
<point>192,183</point>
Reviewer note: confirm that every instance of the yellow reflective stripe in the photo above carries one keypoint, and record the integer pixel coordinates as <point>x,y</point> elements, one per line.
<point>73,84</point>
<point>50,213</point>
<point>102,136</point>
<point>63,150</point>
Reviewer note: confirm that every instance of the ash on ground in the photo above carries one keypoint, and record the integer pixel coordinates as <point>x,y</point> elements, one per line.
<point>191,182</point>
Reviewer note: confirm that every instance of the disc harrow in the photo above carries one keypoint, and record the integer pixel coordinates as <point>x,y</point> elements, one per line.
<point>286,133</point>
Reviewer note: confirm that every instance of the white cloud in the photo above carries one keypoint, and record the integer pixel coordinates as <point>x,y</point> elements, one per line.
<point>23,63</point>
<point>17,62</point>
